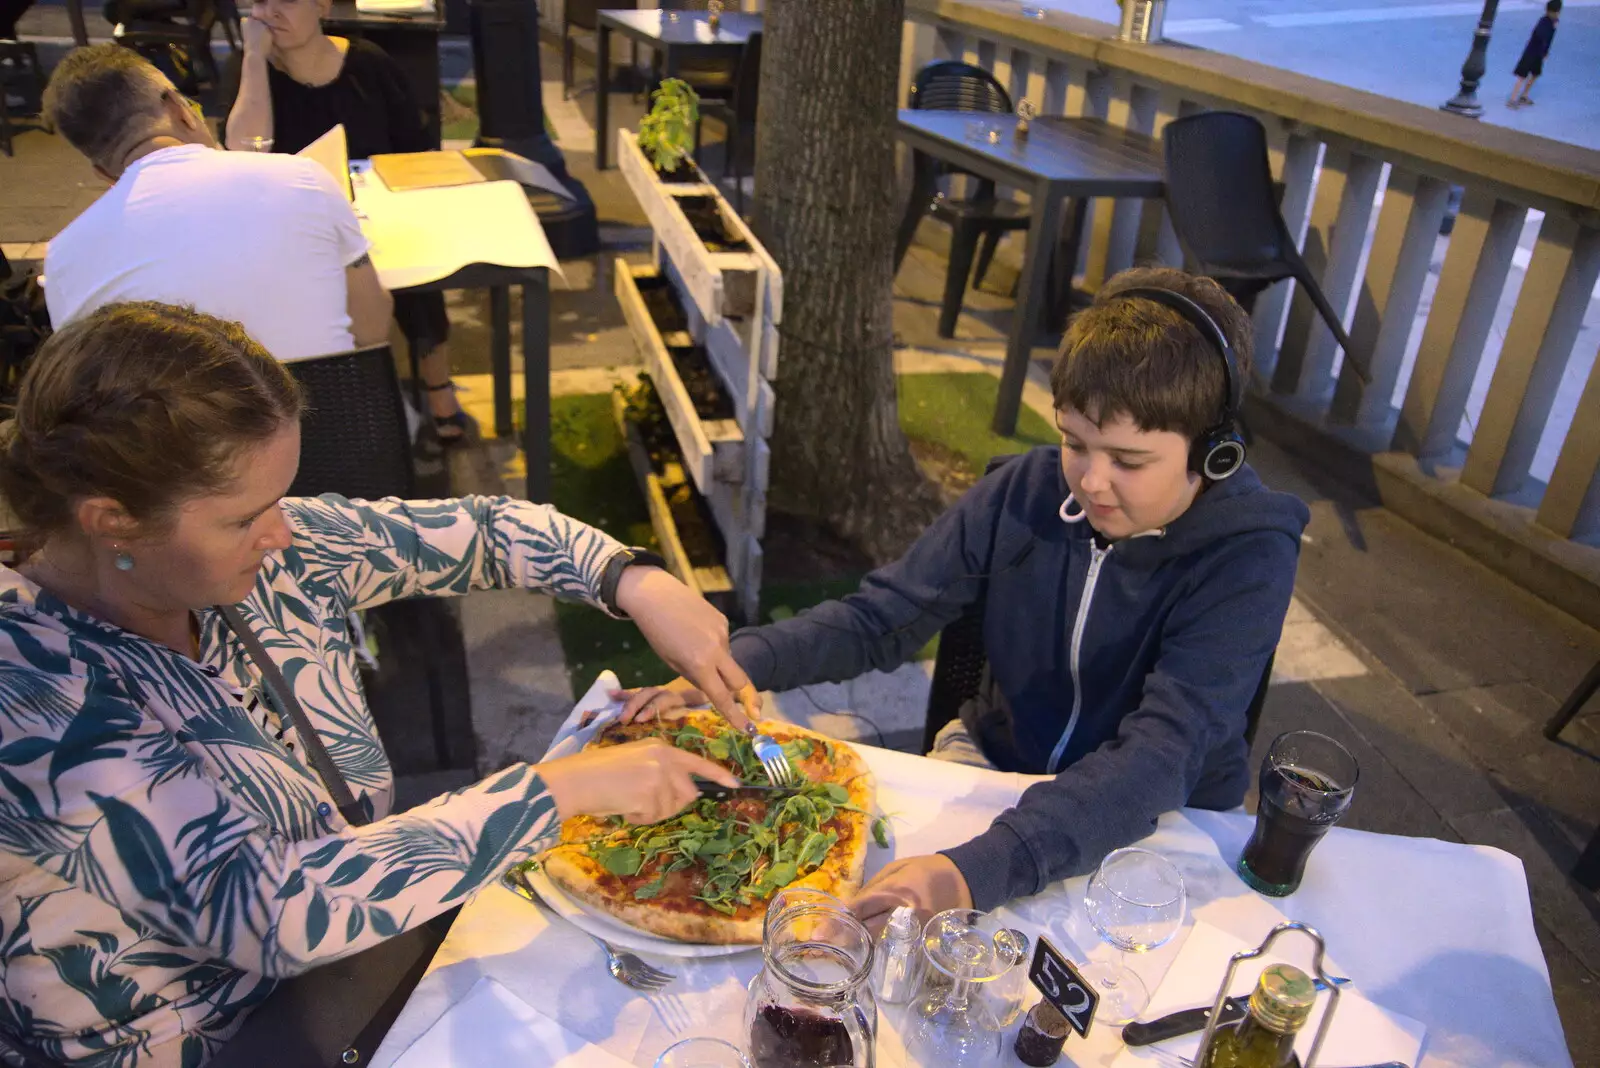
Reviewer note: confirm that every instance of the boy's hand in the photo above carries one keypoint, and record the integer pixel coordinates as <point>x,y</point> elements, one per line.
<point>928,884</point>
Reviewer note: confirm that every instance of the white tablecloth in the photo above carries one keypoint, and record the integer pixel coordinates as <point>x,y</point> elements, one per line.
<point>423,235</point>
<point>1437,931</point>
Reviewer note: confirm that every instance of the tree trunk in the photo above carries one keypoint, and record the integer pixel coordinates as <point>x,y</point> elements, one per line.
<point>826,207</point>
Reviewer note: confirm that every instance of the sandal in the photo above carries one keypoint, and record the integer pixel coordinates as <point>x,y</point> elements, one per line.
<point>450,429</point>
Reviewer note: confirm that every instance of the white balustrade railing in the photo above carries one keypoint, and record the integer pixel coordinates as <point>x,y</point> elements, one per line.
<point>1508,411</point>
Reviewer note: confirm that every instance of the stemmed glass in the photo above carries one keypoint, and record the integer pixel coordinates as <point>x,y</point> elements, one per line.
<point>951,1027</point>
<point>702,1053</point>
<point>1135,899</point>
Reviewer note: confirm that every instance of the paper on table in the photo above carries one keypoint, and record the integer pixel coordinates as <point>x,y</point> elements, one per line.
<point>395,7</point>
<point>333,152</point>
<point>491,1025</point>
<point>497,165</point>
<point>424,235</point>
<point>405,171</point>
<point>1362,1032</point>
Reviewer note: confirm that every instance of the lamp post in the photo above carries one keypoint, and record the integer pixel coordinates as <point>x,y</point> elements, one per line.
<point>1465,102</point>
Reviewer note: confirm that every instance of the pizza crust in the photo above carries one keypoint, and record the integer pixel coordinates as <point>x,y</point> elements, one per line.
<point>579,875</point>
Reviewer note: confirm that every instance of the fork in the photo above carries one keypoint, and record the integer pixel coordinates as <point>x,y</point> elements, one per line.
<point>626,968</point>
<point>773,759</point>
<point>1166,1056</point>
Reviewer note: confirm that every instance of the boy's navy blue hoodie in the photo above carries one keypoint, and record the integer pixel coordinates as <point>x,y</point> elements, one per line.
<point>1126,668</point>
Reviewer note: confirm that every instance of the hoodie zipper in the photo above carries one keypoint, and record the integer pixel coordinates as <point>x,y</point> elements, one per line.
<point>1097,557</point>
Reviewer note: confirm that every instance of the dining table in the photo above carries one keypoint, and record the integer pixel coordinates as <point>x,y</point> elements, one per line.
<point>678,36</point>
<point>482,235</point>
<point>1060,160</point>
<point>1441,934</point>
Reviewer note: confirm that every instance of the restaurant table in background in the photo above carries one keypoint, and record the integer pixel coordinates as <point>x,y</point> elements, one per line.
<point>678,35</point>
<point>479,236</point>
<point>1061,159</point>
<point>1437,931</point>
<point>411,41</point>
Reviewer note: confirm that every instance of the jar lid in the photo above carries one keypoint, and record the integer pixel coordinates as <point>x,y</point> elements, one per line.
<point>1283,998</point>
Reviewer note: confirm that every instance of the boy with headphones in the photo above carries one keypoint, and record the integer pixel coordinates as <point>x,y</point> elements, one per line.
<point>1134,583</point>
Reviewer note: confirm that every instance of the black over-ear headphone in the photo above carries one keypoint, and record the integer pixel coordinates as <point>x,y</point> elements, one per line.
<point>1219,451</point>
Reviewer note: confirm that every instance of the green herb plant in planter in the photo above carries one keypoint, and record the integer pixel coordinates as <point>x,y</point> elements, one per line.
<point>666,135</point>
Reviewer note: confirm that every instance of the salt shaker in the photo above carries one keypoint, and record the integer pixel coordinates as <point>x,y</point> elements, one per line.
<point>896,971</point>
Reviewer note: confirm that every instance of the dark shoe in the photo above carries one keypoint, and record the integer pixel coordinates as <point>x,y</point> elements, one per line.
<point>450,429</point>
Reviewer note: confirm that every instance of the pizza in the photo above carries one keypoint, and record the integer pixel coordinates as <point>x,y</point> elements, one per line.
<point>705,876</point>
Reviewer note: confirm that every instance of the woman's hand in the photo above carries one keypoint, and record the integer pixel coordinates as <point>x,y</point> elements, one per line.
<point>256,37</point>
<point>643,782</point>
<point>691,636</point>
<point>928,884</point>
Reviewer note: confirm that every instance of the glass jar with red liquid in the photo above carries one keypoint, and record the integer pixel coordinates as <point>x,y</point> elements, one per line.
<point>811,1006</point>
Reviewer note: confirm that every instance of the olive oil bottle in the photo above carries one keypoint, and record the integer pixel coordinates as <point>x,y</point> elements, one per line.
<point>1279,1007</point>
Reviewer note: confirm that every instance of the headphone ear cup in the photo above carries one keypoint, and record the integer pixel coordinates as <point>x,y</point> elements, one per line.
<point>1219,454</point>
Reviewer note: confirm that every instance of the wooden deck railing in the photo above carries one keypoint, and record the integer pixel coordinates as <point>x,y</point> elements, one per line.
<point>1367,181</point>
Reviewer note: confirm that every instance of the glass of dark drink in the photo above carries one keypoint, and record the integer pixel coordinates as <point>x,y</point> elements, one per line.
<point>1307,781</point>
<point>811,1006</point>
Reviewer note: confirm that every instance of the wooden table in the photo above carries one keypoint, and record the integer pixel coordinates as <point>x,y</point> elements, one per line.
<point>1062,159</point>
<point>678,35</point>
<point>482,236</point>
<point>411,41</point>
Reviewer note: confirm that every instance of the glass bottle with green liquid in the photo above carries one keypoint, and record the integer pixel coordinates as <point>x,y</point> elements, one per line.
<point>1279,1007</point>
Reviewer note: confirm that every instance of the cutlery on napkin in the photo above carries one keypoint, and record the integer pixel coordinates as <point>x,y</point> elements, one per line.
<point>1362,1032</point>
<point>491,1025</point>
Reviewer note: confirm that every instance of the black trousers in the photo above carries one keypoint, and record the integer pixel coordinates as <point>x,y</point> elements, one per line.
<point>349,1004</point>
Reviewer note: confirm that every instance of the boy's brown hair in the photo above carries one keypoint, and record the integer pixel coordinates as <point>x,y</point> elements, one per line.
<point>1135,357</point>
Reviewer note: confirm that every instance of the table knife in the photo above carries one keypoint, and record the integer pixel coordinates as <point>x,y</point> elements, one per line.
<point>1188,1021</point>
<point>718,792</point>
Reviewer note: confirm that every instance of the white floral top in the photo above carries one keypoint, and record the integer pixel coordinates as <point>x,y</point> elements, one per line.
<point>166,856</point>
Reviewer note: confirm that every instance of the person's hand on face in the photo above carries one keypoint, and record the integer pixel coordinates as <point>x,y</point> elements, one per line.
<point>928,884</point>
<point>643,782</point>
<point>257,36</point>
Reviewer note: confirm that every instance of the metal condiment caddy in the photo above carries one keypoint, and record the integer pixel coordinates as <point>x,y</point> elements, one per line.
<point>1317,970</point>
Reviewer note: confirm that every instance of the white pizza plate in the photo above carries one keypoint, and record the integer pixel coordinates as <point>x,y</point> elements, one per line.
<point>619,934</point>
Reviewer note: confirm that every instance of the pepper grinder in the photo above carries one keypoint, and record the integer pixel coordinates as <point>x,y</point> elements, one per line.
<point>1026,113</point>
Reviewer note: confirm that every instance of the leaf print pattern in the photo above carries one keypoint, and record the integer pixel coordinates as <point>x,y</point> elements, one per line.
<point>166,855</point>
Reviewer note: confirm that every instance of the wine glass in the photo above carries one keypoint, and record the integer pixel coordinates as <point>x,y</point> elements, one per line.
<point>1135,899</point>
<point>702,1053</point>
<point>950,1026</point>
<point>258,144</point>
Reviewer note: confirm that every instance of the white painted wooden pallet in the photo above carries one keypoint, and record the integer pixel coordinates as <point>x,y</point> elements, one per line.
<point>734,302</point>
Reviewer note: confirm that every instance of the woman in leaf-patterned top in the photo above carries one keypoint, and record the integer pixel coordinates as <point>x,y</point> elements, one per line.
<point>167,852</point>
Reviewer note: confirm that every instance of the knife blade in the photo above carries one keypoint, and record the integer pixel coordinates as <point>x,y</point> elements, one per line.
<point>1188,1021</point>
<point>718,792</point>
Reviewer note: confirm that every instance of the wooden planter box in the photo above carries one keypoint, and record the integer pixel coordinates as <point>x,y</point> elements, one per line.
<point>734,284</point>
<point>713,449</point>
<point>708,577</point>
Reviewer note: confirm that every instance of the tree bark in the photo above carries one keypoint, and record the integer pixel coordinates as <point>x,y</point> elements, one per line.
<point>826,206</point>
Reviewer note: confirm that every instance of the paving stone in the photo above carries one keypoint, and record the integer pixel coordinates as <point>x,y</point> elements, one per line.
<point>520,690</point>
<point>1385,801</point>
<point>1567,910</point>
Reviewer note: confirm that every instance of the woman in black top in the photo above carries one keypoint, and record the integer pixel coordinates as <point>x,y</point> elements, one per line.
<point>294,84</point>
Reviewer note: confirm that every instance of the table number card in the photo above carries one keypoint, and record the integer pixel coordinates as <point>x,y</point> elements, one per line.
<point>1072,995</point>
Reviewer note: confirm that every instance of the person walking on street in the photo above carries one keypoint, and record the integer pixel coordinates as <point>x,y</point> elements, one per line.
<point>1531,65</point>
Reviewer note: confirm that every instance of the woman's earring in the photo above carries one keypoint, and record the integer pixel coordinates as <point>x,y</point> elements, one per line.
<point>123,561</point>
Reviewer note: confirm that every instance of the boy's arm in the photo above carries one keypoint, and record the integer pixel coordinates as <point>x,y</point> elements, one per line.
<point>1214,648</point>
<point>897,608</point>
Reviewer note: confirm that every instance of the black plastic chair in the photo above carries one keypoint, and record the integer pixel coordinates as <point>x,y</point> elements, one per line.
<point>189,29</point>
<point>951,85</point>
<point>737,114</point>
<point>355,441</point>
<point>1224,208</point>
<point>583,15</point>
<point>1587,871</point>
<point>20,73</point>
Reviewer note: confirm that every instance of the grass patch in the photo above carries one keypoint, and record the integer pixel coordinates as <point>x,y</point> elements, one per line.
<point>954,410</point>
<point>594,482</point>
<point>458,118</point>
